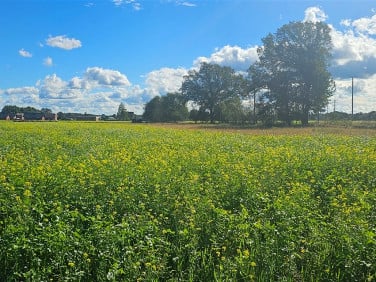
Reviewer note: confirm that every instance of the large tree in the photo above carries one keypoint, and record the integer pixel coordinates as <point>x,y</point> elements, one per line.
<point>168,108</point>
<point>212,85</point>
<point>293,69</point>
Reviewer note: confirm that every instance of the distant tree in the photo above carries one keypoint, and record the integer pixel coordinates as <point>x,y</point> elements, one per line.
<point>46,111</point>
<point>292,69</point>
<point>168,108</point>
<point>152,112</point>
<point>30,110</point>
<point>231,111</point>
<point>199,115</point>
<point>122,113</point>
<point>211,86</point>
<point>10,110</point>
<point>265,111</point>
<point>173,107</point>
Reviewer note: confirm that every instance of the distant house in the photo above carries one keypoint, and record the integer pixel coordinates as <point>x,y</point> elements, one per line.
<point>32,117</point>
<point>19,117</point>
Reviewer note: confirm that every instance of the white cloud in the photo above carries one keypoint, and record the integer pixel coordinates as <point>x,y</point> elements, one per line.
<point>164,80</point>
<point>48,62</point>
<point>233,56</point>
<point>79,83</point>
<point>364,95</point>
<point>28,90</point>
<point>105,77</point>
<point>25,53</point>
<point>186,3</point>
<point>135,4</point>
<point>53,87</point>
<point>365,25</point>
<point>63,42</point>
<point>21,96</point>
<point>97,91</point>
<point>353,52</point>
<point>346,22</point>
<point>314,14</point>
<point>117,2</point>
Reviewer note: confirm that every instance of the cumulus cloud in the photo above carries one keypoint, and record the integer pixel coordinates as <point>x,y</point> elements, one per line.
<point>233,56</point>
<point>164,80</point>
<point>314,14</point>
<point>48,62</point>
<point>27,90</point>
<point>364,94</point>
<point>105,77</point>
<point>53,87</point>
<point>98,91</point>
<point>25,53</point>
<point>365,25</point>
<point>21,96</point>
<point>353,44</point>
<point>354,50</point>
<point>63,42</point>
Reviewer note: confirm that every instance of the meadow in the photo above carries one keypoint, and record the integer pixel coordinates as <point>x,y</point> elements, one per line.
<point>126,202</point>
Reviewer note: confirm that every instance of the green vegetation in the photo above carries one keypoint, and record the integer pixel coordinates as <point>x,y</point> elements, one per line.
<point>127,202</point>
<point>289,82</point>
<point>292,72</point>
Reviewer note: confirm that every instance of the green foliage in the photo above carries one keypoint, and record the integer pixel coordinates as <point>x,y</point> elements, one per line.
<point>122,113</point>
<point>212,86</point>
<point>232,111</point>
<point>168,108</point>
<point>292,70</point>
<point>125,202</point>
<point>12,110</point>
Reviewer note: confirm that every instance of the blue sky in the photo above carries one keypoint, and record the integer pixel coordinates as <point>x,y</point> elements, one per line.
<point>88,56</point>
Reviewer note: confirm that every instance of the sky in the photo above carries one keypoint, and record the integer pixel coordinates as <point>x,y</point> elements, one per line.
<point>91,55</point>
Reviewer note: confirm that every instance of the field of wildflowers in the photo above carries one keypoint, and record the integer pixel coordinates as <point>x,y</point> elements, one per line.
<point>126,202</point>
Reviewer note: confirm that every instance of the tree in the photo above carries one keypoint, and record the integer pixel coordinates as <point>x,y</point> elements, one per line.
<point>11,110</point>
<point>173,107</point>
<point>170,107</point>
<point>211,86</point>
<point>232,111</point>
<point>152,110</point>
<point>198,115</point>
<point>122,113</point>
<point>46,110</point>
<point>292,70</point>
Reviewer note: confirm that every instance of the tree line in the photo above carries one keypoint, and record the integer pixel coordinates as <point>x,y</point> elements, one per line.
<point>289,81</point>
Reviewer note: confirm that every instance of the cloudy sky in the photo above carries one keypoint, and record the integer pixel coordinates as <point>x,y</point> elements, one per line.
<point>90,55</point>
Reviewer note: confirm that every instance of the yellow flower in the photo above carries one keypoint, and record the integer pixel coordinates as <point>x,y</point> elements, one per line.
<point>27,193</point>
<point>246,253</point>
<point>71,264</point>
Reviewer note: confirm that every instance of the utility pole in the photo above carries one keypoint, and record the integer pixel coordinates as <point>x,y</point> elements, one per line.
<point>352,98</point>
<point>254,107</point>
